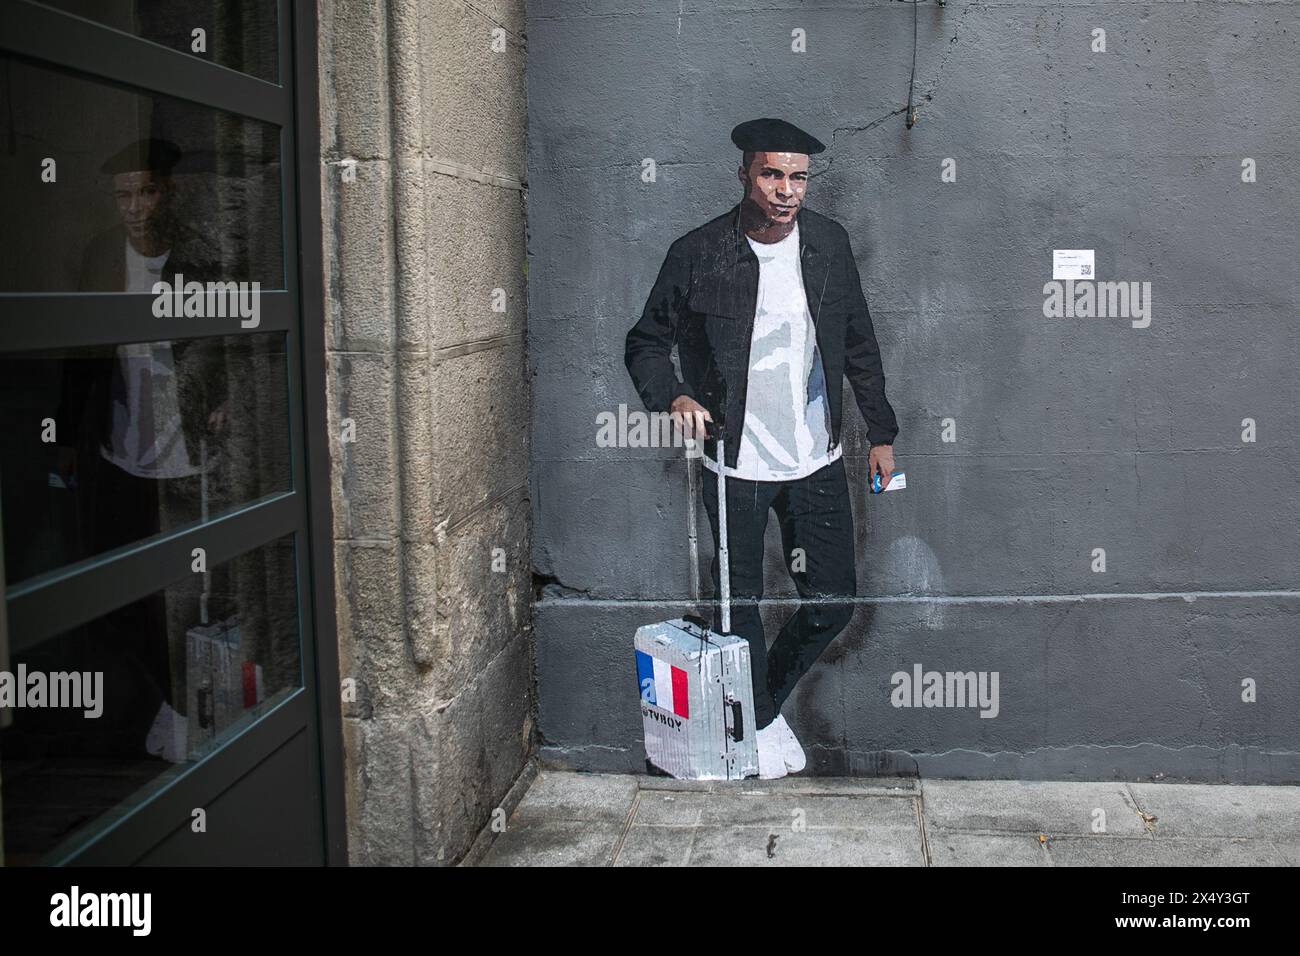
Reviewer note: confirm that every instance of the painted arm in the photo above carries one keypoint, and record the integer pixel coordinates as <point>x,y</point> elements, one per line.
<point>862,364</point>
<point>649,346</point>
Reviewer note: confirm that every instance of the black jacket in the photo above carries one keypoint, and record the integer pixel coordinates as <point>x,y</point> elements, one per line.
<point>703,302</point>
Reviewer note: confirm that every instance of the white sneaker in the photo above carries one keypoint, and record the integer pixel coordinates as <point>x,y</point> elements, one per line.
<point>791,752</point>
<point>167,737</point>
<point>771,754</point>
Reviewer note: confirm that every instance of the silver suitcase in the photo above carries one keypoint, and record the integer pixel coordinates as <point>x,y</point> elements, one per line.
<point>695,689</point>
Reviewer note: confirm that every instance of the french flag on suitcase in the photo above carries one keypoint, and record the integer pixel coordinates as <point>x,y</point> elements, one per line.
<point>662,685</point>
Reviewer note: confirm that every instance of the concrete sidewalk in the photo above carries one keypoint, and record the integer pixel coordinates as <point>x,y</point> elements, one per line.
<point>603,820</point>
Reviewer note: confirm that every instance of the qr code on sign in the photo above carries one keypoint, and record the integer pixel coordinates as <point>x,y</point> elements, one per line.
<point>1085,269</point>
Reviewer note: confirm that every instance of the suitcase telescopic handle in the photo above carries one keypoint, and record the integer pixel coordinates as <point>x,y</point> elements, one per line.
<point>724,555</point>
<point>711,430</point>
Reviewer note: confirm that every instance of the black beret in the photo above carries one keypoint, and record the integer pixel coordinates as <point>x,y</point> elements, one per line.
<point>774,136</point>
<point>155,155</point>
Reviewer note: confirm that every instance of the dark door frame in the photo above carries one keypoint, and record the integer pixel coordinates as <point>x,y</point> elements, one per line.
<point>40,607</point>
<point>311,316</point>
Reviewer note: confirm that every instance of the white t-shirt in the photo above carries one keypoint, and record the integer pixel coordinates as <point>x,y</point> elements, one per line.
<point>146,439</point>
<point>143,271</point>
<point>787,417</point>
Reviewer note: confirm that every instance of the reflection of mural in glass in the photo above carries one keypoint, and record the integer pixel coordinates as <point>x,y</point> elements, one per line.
<point>111,192</point>
<point>106,186</point>
<point>149,437</point>
<point>104,447</point>
<point>183,669</point>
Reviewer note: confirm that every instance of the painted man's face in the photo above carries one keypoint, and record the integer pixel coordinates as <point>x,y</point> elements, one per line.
<point>775,183</point>
<point>141,199</point>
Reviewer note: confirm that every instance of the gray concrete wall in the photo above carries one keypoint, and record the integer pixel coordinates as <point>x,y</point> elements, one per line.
<point>431,515</point>
<point>1071,434</point>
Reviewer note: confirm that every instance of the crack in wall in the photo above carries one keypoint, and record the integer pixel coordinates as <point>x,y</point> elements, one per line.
<point>925,100</point>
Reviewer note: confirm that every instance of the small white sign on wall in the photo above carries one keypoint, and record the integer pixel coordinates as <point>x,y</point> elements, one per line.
<point>1073,264</point>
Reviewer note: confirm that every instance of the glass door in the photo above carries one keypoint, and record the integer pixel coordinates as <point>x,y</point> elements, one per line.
<point>157,666</point>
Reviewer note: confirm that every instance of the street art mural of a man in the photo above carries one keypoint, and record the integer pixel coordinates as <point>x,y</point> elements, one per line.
<point>765,309</point>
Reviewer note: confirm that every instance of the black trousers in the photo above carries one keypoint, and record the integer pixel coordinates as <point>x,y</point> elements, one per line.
<point>123,509</point>
<point>817,540</point>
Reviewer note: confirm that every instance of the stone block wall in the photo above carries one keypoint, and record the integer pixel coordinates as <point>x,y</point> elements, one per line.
<point>423,121</point>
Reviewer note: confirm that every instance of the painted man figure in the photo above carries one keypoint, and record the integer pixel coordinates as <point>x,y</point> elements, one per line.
<point>765,308</point>
<point>133,422</point>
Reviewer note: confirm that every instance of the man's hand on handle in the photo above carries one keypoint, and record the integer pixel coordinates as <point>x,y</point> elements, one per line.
<point>689,416</point>
<point>881,459</point>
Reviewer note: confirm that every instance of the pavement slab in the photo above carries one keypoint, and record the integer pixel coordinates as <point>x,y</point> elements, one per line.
<point>1124,851</point>
<point>1206,810</point>
<point>1018,806</point>
<point>588,819</point>
<point>555,843</point>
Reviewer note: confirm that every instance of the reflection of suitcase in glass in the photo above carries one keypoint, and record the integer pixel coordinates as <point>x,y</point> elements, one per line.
<point>696,692</point>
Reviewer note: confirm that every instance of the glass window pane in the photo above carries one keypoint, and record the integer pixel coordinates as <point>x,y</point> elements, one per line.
<point>144,692</point>
<point>106,189</point>
<point>107,446</point>
<point>239,34</point>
